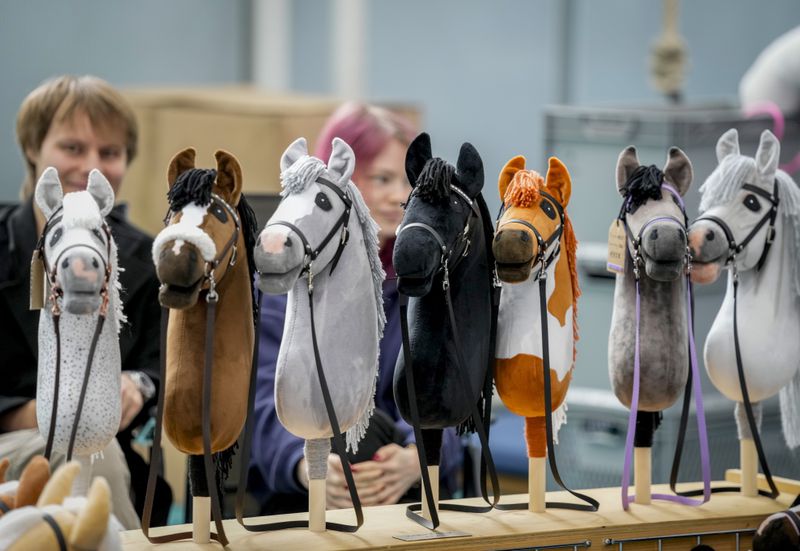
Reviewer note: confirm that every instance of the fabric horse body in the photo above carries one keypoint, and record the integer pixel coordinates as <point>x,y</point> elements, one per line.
<point>519,352</point>
<point>448,201</point>
<point>198,233</point>
<point>81,258</point>
<point>768,300</point>
<point>348,303</point>
<point>664,356</point>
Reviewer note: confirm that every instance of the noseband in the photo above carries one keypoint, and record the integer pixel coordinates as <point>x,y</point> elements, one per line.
<point>57,292</point>
<point>542,258</point>
<point>461,245</point>
<point>211,265</point>
<point>311,254</point>
<point>735,249</point>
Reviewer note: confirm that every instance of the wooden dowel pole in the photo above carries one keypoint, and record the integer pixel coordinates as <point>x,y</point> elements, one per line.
<point>537,484</point>
<point>316,505</point>
<point>642,467</point>
<point>433,473</point>
<point>748,457</point>
<point>201,519</point>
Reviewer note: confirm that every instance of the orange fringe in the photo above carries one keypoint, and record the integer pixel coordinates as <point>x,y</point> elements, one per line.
<point>523,191</point>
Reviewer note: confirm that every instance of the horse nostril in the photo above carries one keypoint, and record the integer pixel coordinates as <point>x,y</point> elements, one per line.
<point>525,237</point>
<point>654,234</point>
<point>497,237</point>
<point>65,264</point>
<point>288,242</point>
<point>709,235</point>
<point>192,256</point>
<point>95,263</point>
<point>258,240</point>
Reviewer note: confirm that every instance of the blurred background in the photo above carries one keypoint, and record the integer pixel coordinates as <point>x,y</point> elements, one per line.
<point>572,78</point>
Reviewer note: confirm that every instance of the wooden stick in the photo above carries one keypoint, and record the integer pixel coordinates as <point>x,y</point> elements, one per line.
<point>201,519</point>
<point>316,505</point>
<point>748,458</point>
<point>537,484</point>
<point>433,473</point>
<point>642,461</point>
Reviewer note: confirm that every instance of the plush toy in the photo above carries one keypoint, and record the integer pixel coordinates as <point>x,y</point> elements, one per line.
<point>25,491</point>
<point>59,522</point>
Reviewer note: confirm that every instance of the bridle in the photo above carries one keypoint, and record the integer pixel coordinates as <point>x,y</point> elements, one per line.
<point>230,245</point>
<point>544,260</point>
<point>56,292</point>
<point>734,249</point>
<point>311,254</point>
<point>460,249</point>
<point>693,381</point>
<point>450,258</point>
<point>635,241</point>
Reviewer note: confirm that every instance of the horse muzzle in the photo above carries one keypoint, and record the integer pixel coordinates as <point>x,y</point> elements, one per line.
<point>416,263</point>
<point>663,250</point>
<point>279,260</point>
<point>180,271</point>
<point>514,252</point>
<point>709,247</point>
<point>81,278</point>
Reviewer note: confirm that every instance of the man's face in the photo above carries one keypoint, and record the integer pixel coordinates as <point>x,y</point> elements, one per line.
<point>75,147</point>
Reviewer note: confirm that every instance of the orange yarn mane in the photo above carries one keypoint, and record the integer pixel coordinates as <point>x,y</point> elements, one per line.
<point>523,192</point>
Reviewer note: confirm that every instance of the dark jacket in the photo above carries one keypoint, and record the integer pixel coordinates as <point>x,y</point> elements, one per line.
<point>19,326</point>
<point>276,452</point>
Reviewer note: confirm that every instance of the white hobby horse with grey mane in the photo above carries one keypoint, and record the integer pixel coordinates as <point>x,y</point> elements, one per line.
<point>759,206</point>
<point>313,248</point>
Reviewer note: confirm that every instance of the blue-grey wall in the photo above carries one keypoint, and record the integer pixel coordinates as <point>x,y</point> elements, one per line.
<point>127,43</point>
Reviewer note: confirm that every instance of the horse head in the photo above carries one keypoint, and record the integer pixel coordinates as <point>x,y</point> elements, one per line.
<point>653,212</point>
<point>532,222</point>
<point>308,230</point>
<point>76,243</point>
<point>198,245</point>
<point>739,199</point>
<point>439,211</point>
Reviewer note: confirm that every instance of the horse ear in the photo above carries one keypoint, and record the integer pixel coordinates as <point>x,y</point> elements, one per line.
<point>558,181</point>
<point>101,191</point>
<point>229,176</point>
<point>768,155</point>
<point>180,163</point>
<point>342,162</point>
<point>419,153</point>
<point>49,194</point>
<point>297,149</point>
<point>678,170</point>
<point>507,174</point>
<point>92,522</point>
<point>469,169</point>
<point>728,144</point>
<point>626,164</point>
<point>60,484</point>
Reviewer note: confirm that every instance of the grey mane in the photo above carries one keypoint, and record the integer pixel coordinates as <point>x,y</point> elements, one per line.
<point>727,180</point>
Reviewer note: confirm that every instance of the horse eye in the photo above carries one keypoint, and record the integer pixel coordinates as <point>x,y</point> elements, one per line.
<point>97,234</point>
<point>219,213</point>
<point>752,203</point>
<point>548,209</point>
<point>56,236</point>
<point>322,201</point>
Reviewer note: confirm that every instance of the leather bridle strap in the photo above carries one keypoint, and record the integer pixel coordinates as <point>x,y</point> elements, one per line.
<point>59,534</point>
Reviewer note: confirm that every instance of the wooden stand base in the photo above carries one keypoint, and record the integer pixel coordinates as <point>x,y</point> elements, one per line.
<point>515,529</point>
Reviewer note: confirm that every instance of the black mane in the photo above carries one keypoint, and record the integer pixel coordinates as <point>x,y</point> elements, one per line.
<point>643,184</point>
<point>250,233</point>
<point>192,186</point>
<point>433,183</point>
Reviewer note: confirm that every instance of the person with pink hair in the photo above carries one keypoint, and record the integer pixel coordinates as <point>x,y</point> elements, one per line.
<point>386,467</point>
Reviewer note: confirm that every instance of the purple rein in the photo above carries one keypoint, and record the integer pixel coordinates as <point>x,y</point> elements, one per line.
<point>700,411</point>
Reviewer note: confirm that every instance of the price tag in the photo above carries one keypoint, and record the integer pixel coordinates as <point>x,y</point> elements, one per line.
<point>37,282</point>
<point>617,242</point>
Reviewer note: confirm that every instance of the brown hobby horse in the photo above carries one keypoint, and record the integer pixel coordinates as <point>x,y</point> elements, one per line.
<point>203,259</point>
